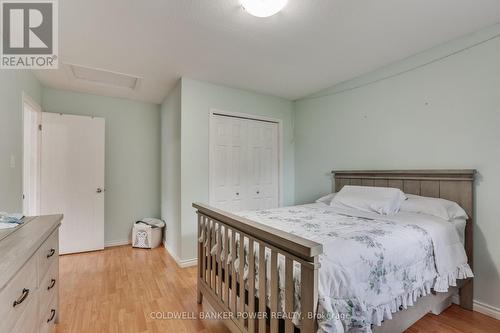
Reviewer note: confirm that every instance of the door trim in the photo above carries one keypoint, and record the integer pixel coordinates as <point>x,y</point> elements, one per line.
<point>31,206</point>
<point>217,112</point>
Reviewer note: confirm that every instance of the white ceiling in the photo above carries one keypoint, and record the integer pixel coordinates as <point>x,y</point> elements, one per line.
<point>309,46</point>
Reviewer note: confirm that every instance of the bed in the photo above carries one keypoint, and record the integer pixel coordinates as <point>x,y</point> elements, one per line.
<point>301,262</point>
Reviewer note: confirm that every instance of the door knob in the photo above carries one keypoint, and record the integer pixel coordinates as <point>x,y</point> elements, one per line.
<point>237,193</point>
<point>258,192</point>
<point>99,190</point>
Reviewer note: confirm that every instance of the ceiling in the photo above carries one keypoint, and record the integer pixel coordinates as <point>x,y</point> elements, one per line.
<point>309,46</point>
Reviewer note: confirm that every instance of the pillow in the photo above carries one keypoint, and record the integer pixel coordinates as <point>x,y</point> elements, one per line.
<point>327,199</point>
<point>445,209</point>
<point>381,200</point>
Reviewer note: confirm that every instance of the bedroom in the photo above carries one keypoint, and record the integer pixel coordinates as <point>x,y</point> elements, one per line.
<point>150,107</point>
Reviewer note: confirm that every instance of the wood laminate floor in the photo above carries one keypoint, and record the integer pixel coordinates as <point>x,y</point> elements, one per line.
<point>121,289</point>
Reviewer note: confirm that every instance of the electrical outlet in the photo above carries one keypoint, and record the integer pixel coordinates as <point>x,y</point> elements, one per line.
<point>13,161</point>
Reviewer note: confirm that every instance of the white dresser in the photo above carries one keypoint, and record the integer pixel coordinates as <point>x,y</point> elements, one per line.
<point>29,276</point>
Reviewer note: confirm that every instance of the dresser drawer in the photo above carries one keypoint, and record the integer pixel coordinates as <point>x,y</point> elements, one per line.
<point>48,288</point>
<point>47,254</point>
<point>18,294</point>
<point>49,316</point>
<point>28,322</point>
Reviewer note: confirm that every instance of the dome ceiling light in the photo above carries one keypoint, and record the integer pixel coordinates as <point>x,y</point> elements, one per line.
<point>263,8</point>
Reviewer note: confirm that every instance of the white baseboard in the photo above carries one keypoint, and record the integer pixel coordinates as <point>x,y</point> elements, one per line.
<point>480,307</point>
<point>486,309</point>
<point>181,263</point>
<point>117,242</point>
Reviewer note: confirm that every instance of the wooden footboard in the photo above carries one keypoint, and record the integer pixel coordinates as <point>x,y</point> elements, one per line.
<point>243,301</point>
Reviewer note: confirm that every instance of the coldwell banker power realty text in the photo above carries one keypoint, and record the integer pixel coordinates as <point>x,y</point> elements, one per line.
<point>29,34</point>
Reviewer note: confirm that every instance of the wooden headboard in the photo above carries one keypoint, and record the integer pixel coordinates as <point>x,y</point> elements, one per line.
<point>454,185</point>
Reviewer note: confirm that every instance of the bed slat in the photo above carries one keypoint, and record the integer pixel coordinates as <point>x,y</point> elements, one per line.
<point>233,273</point>
<point>251,285</point>
<point>429,188</point>
<point>226,267</point>
<point>289,288</point>
<point>219,261</point>
<point>356,181</point>
<point>274,291</point>
<point>380,182</point>
<point>241,256</point>
<point>213,282</point>
<point>201,255</point>
<point>367,182</point>
<point>262,287</point>
<point>411,187</point>
<point>209,248</point>
<point>397,183</point>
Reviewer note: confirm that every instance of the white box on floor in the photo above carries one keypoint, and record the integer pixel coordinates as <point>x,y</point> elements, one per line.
<point>147,233</point>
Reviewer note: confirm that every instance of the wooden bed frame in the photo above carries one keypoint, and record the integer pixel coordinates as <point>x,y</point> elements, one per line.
<point>240,305</point>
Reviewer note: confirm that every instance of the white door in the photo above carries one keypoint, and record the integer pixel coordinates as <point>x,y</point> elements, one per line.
<point>263,164</point>
<point>244,163</point>
<point>228,157</point>
<point>72,179</point>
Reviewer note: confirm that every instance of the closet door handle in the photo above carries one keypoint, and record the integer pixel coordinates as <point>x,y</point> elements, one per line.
<point>258,192</point>
<point>21,298</point>
<point>52,284</point>
<point>51,253</point>
<point>52,315</point>
<point>237,193</point>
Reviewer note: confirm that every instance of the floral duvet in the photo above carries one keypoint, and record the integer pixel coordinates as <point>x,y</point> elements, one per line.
<point>372,265</point>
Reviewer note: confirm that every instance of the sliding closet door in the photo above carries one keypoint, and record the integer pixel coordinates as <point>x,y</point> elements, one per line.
<point>72,179</point>
<point>244,164</point>
<point>227,163</point>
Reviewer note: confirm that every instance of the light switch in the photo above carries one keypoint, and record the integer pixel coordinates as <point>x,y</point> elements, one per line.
<point>12,161</point>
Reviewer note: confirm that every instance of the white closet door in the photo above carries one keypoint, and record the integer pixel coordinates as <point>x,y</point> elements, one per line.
<point>244,164</point>
<point>263,165</point>
<point>72,179</point>
<point>227,169</point>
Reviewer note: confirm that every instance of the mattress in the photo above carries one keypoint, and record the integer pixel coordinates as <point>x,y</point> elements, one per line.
<point>372,266</point>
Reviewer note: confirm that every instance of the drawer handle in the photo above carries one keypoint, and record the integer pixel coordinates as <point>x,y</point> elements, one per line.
<point>21,298</point>
<point>51,253</point>
<point>52,284</point>
<point>52,315</point>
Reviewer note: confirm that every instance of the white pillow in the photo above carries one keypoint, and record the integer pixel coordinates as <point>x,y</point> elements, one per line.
<point>381,200</point>
<point>445,209</point>
<point>327,199</point>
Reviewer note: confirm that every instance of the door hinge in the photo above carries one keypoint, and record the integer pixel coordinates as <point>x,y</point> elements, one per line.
<point>40,127</point>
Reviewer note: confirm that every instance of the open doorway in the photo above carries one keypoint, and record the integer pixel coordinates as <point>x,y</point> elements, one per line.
<point>32,119</point>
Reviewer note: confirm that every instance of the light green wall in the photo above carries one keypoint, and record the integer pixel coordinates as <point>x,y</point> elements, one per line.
<point>12,85</point>
<point>171,168</point>
<point>197,100</point>
<point>439,109</point>
<point>132,168</point>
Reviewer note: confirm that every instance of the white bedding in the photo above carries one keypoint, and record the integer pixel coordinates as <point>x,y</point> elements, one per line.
<point>372,265</point>
<point>459,225</point>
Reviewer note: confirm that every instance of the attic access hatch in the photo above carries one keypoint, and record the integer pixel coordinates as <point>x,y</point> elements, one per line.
<point>104,77</point>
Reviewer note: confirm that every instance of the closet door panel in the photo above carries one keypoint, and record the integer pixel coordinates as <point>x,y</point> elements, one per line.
<point>228,145</point>
<point>254,164</point>
<point>269,166</point>
<point>263,165</point>
<point>238,159</point>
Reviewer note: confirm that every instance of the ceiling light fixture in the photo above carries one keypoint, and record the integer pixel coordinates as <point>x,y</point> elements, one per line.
<point>263,8</point>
